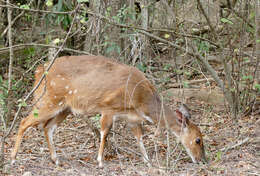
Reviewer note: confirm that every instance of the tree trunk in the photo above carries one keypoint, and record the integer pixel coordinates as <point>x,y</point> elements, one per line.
<point>257,36</point>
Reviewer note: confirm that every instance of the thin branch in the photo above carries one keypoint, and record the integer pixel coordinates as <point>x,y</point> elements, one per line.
<point>44,45</point>
<point>240,16</point>
<point>207,19</point>
<point>18,16</point>
<point>194,54</point>
<point>235,145</point>
<point>43,76</point>
<point>10,69</point>
<point>192,82</point>
<point>151,29</point>
<point>37,11</point>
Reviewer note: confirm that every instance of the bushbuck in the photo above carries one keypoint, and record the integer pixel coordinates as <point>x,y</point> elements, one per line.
<point>96,84</point>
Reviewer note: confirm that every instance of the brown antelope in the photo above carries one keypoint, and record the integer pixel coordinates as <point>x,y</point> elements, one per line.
<point>95,84</point>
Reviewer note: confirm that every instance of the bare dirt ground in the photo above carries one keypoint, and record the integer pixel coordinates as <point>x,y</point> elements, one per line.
<point>232,148</point>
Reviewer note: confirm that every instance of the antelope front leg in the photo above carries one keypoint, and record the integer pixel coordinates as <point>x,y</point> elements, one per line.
<point>137,130</point>
<point>105,123</point>
<point>49,129</point>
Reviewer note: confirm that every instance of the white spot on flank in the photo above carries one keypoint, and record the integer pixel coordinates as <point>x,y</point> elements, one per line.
<point>66,87</point>
<point>53,83</point>
<point>70,92</point>
<point>60,103</point>
<point>55,96</point>
<point>62,78</point>
<point>75,91</point>
<point>190,142</point>
<point>58,76</point>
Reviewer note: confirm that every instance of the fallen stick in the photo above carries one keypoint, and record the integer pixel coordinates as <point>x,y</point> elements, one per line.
<point>235,145</point>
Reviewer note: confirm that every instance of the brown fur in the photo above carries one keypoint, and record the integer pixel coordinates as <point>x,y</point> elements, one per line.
<point>95,84</point>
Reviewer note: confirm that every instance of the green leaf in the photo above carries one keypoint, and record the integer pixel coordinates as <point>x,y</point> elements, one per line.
<point>141,67</point>
<point>36,113</point>
<point>219,154</point>
<point>60,5</point>
<point>56,41</point>
<point>249,77</point>
<point>25,6</point>
<point>22,103</point>
<point>257,86</point>
<point>186,84</point>
<point>224,20</point>
<point>258,41</point>
<point>166,36</point>
<point>49,3</point>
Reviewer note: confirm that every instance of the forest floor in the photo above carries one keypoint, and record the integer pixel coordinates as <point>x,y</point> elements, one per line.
<point>232,148</point>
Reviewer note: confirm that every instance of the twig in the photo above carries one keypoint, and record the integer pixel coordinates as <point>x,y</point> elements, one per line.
<point>235,145</point>
<point>207,19</point>
<point>37,11</point>
<point>43,76</point>
<point>18,16</point>
<point>240,16</point>
<point>10,69</point>
<point>45,45</point>
<point>150,30</point>
<point>191,82</point>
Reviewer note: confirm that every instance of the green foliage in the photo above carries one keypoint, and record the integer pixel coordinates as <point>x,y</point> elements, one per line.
<point>203,46</point>
<point>3,94</point>
<point>185,84</point>
<point>178,71</point>
<point>112,47</point>
<point>225,20</point>
<point>141,66</point>
<point>95,120</point>
<point>22,103</point>
<point>35,113</point>
<point>25,6</point>
<point>27,15</point>
<point>49,3</point>
<point>167,67</point>
<point>57,19</point>
<point>257,87</point>
<point>247,77</point>
<point>218,156</point>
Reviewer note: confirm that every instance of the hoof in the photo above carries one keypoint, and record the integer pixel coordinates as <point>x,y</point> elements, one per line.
<point>56,161</point>
<point>13,162</point>
<point>100,164</point>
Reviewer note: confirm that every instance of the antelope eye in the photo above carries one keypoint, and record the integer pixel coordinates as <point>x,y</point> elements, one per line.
<point>198,141</point>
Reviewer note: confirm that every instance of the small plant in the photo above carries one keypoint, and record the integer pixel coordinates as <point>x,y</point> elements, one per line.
<point>95,120</point>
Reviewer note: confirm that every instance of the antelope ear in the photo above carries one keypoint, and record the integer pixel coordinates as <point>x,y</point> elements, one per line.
<point>185,111</point>
<point>181,119</point>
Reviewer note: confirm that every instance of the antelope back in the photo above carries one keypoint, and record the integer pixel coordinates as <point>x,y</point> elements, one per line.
<point>94,84</point>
